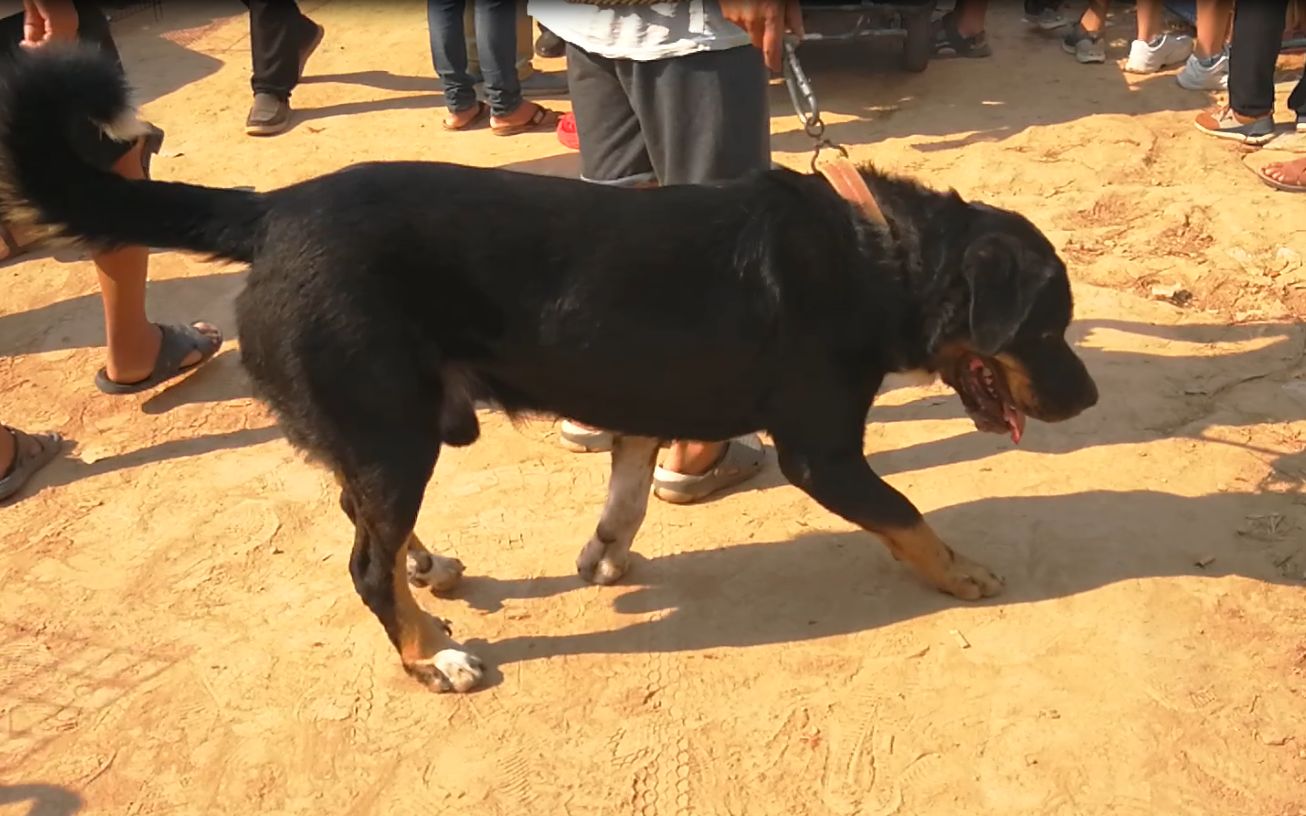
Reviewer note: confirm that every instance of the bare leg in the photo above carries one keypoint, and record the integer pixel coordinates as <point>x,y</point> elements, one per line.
<point>693,458</point>
<point>1213,18</point>
<point>971,16</point>
<point>132,339</point>
<point>606,556</point>
<point>1094,17</point>
<point>1151,19</point>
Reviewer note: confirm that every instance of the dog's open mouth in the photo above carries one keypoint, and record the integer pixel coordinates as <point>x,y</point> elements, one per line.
<point>984,392</point>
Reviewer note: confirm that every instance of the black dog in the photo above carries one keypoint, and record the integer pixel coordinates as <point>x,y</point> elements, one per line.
<point>384,299</point>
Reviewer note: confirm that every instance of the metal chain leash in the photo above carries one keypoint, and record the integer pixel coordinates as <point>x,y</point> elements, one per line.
<point>805,102</point>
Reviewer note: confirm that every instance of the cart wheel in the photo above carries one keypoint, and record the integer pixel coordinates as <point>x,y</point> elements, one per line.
<point>919,46</point>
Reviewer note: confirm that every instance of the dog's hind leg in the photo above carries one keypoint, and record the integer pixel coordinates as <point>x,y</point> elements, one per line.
<point>838,477</point>
<point>383,493</point>
<point>607,555</point>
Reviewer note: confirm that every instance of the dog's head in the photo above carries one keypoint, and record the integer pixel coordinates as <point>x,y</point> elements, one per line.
<point>1005,353</point>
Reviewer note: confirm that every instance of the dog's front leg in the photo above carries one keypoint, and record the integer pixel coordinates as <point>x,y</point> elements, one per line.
<point>606,556</point>
<point>842,482</point>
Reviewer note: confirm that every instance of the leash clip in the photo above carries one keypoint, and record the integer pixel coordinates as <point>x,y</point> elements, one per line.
<point>805,103</point>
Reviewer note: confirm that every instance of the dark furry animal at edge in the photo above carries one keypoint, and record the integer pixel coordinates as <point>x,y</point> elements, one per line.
<point>384,299</point>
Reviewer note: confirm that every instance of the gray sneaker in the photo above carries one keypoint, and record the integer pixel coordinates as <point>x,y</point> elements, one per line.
<point>268,116</point>
<point>1049,19</point>
<point>1086,47</point>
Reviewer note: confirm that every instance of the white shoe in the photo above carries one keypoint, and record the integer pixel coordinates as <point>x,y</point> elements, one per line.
<point>1198,77</point>
<point>1166,50</point>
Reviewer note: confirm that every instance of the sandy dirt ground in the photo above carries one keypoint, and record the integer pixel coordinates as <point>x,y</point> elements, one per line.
<point>178,631</point>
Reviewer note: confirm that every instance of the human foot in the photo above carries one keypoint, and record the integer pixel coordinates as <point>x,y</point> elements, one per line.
<point>579,438</point>
<point>1226,123</point>
<point>268,116</point>
<point>1289,176</point>
<point>21,456</point>
<point>693,471</point>
<point>524,118</point>
<point>166,352</point>
<point>954,38</point>
<point>1086,46</point>
<point>465,118</point>
<point>1158,54</point>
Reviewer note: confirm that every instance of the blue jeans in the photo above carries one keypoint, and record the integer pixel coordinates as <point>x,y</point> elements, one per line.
<point>496,44</point>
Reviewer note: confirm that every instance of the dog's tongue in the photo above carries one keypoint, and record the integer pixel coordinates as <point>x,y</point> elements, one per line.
<point>1016,421</point>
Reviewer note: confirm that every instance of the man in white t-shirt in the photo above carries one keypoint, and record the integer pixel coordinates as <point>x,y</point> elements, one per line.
<point>673,93</point>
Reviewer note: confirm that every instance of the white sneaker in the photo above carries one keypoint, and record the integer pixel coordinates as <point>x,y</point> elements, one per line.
<point>1198,77</point>
<point>1166,50</point>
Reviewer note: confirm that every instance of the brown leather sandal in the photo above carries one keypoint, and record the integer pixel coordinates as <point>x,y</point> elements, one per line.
<point>542,118</point>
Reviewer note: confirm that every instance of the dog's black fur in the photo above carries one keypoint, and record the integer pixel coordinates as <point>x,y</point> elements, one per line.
<point>384,299</point>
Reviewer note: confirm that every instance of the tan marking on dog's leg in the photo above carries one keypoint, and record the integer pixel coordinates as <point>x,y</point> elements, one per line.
<point>606,556</point>
<point>425,647</point>
<point>922,549</point>
<point>426,570</point>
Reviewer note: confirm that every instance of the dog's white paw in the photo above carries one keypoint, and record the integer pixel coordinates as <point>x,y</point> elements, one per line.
<point>449,671</point>
<point>597,567</point>
<point>435,572</point>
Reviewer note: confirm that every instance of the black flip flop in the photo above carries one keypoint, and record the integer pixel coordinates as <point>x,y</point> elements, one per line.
<point>948,41</point>
<point>178,342</point>
<point>31,453</point>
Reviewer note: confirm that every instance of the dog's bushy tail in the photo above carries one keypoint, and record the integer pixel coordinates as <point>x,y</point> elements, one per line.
<point>49,94</point>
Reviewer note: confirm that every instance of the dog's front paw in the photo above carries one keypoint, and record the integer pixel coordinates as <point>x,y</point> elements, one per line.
<point>448,671</point>
<point>969,580</point>
<point>597,566</point>
<point>435,572</point>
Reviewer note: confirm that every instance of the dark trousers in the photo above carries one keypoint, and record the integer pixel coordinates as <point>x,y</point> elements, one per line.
<point>278,33</point>
<point>1257,37</point>
<point>697,119</point>
<point>496,47</point>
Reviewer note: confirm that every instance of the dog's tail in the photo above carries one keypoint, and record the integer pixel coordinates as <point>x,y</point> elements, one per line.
<point>50,96</point>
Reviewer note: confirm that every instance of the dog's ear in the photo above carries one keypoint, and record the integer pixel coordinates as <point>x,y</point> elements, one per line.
<point>1003,288</point>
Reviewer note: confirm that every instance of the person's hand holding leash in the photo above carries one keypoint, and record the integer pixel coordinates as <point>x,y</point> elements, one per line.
<point>766,21</point>
<point>47,21</point>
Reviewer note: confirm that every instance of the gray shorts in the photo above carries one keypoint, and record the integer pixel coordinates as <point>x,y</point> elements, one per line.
<point>695,119</point>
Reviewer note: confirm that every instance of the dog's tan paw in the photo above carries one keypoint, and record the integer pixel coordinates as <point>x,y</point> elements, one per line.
<point>435,572</point>
<point>969,580</point>
<point>596,566</point>
<point>448,671</point>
